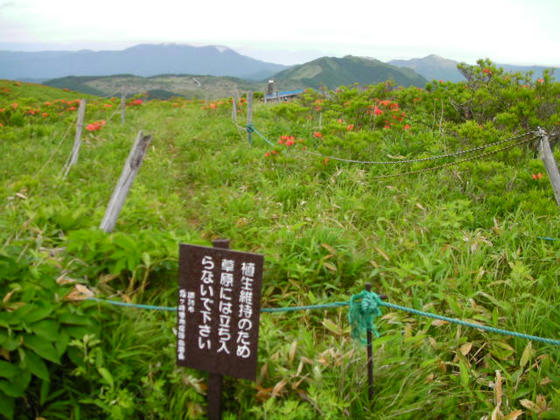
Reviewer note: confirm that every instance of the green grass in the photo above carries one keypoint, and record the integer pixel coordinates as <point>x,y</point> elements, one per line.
<point>460,242</point>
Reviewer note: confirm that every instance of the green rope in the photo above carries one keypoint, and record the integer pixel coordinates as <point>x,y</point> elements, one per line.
<point>262,136</point>
<point>547,238</point>
<point>133,305</point>
<point>472,324</point>
<point>303,308</point>
<point>364,308</point>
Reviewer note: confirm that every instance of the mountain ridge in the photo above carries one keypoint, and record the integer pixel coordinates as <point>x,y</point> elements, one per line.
<point>142,60</point>
<point>435,67</point>
<point>333,72</point>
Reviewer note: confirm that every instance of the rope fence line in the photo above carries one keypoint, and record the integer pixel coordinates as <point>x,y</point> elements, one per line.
<point>364,308</point>
<point>548,238</point>
<point>458,162</point>
<point>419,171</point>
<point>426,159</point>
<point>251,128</point>
<point>55,150</point>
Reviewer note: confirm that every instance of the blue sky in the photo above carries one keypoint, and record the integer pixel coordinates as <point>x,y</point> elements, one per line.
<point>289,32</point>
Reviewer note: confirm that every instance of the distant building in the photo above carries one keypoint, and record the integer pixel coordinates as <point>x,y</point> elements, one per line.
<point>283,96</point>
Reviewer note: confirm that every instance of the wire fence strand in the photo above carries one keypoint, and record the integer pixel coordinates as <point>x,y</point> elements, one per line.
<point>426,159</point>
<point>252,128</point>
<point>457,162</point>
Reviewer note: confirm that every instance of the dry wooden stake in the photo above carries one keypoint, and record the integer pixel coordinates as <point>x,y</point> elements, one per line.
<point>234,110</point>
<point>123,105</point>
<point>549,163</point>
<point>77,139</point>
<point>249,116</point>
<point>131,167</point>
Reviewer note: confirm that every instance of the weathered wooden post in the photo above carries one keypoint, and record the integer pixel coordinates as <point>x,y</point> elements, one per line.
<point>549,163</point>
<point>234,110</point>
<point>131,167</point>
<point>250,117</point>
<point>123,105</point>
<point>77,138</point>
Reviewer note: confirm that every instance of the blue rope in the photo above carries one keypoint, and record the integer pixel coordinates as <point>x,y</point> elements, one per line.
<point>364,308</point>
<point>472,324</point>
<point>251,128</point>
<point>548,238</point>
<point>367,304</point>
<point>304,308</point>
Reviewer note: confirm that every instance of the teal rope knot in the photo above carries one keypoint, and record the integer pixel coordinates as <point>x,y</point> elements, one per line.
<point>250,128</point>
<point>364,308</point>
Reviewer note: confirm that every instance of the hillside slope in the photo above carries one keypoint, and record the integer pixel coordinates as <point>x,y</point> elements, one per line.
<point>333,72</point>
<point>459,237</point>
<point>432,67</point>
<point>161,86</point>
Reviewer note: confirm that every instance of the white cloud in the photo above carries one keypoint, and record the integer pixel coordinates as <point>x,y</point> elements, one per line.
<point>504,30</point>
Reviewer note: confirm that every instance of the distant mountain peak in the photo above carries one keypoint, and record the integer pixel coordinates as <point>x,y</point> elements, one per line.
<point>333,72</point>
<point>222,49</point>
<point>432,67</point>
<point>140,60</point>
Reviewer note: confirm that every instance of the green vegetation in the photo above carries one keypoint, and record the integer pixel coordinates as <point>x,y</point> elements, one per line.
<point>333,72</point>
<point>461,242</point>
<point>164,86</point>
<point>324,72</point>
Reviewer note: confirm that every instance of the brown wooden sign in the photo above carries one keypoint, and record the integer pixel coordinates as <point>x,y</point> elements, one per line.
<point>219,310</point>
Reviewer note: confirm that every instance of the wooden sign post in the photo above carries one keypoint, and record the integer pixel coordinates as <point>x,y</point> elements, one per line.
<point>218,314</point>
<point>215,380</point>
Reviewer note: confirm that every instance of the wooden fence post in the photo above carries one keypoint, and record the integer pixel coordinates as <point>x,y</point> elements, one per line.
<point>234,110</point>
<point>250,116</point>
<point>77,138</point>
<point>123,105</point>
<point>549,163</point>
<point>131,167</point>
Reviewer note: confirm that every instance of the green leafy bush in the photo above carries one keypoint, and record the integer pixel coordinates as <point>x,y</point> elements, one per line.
<point>36,327</point>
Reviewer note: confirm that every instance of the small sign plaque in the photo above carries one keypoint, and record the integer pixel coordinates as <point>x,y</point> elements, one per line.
<point>219,310</point>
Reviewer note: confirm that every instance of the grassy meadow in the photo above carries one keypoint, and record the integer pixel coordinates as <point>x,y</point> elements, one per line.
<point>462,241</point>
